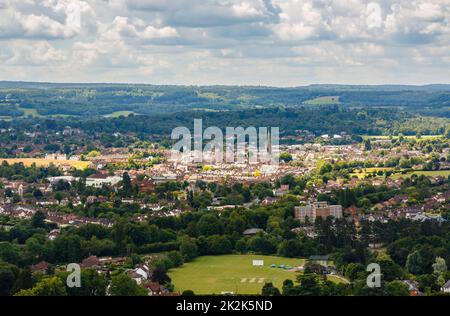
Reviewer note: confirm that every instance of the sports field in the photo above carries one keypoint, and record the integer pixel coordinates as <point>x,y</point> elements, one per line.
<point>232,273</point>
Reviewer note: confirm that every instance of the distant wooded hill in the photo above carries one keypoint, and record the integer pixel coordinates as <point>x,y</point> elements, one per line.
<point>50,99</point>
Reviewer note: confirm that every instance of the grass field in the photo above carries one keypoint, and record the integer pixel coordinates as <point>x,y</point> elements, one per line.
<point>323,100</point>
<point>443,173</point>
<point>29,112</point>
<point>46,162</point>
<point>120,113</point>
<point>231,273</point>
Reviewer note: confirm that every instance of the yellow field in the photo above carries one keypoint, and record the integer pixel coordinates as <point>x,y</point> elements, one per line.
<point>361,173</point>
<point>40,162</point>
<point>385,137</point>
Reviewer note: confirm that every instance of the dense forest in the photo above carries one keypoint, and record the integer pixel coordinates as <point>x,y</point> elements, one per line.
<point>319,120</point>
<point>17,99</point>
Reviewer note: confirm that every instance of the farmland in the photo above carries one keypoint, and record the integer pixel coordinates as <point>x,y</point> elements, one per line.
<point>323,100</point>
<point>40,162</point>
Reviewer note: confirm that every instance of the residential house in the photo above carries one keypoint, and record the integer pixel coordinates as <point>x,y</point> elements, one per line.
<point>446,287</point>
<point>252,232</point>
<point>155,289</point>
<point>40,267</point>
<point>413,287</point>
<point>91,262</point>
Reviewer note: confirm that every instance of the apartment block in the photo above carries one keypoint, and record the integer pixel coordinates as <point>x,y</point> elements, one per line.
<point>317,209</point>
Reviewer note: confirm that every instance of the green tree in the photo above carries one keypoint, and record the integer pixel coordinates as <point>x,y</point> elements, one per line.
<point>52,286</point>
<point>309,285</point>
<point>38,220</point>
<point>188,249</point>
<point>126,185</point>
<point>24,281</point>
<point>367,145</point>
<point>8,275</point>
<point>286,157</point>
<point>160,275</point>
<point>176,258</point>
<point>397,288</point>
<point>269,289</point>
<point>92,284</point>
<point>414,263</point>
<point>123,285</point>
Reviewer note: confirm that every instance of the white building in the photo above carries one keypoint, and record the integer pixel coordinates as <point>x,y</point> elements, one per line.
<point>446,287</point>
<point>100,179</point>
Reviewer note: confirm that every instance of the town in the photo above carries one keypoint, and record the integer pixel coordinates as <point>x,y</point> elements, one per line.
<point>96,183</point>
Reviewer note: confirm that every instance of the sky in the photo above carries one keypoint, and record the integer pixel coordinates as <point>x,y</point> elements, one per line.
<point>230,42</point>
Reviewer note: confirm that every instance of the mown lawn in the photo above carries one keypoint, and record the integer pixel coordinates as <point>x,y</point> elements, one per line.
<point>231,273</point>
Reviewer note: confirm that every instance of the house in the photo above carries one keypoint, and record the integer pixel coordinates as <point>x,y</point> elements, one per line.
<point>146,186</point>
<point>413,287</point>
<point>268,201</point>
<point>446,287</point>
<point>91,200</point>
<point>307,231</point>
<point>91,262</point>
<point>283,190</point>
<point>143,270</point>
<point>252,232</point>
<point>154,289</point>
<point>40,267</point>
<point>135,276</point>
<point>53,234</point>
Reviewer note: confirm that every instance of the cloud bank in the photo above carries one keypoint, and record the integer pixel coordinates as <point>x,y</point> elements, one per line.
<point>257,42</point>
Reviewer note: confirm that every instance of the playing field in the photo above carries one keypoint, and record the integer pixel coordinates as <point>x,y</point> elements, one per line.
<point>232,273</point>
<point>46,162</point>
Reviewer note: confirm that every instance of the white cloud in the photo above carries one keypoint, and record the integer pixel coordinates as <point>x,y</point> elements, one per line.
<point>284,42</point>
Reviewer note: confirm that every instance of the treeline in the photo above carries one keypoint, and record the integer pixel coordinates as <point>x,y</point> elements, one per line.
<point>101,99</point>
<point>320,120</point>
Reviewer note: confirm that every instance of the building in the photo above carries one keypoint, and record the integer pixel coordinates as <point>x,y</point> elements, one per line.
<point>446,287</point>
<point>317,209</point>
<point>91,262</point>
<point>40,267</point>
<point>99,180</point>
<point>413,287</point>
<point>282,190</point>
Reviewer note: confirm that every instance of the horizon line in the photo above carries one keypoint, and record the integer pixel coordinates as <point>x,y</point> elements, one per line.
<point>223,85</point>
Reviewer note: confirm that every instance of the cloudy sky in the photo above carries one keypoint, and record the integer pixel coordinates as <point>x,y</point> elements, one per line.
<point>254,42</point>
